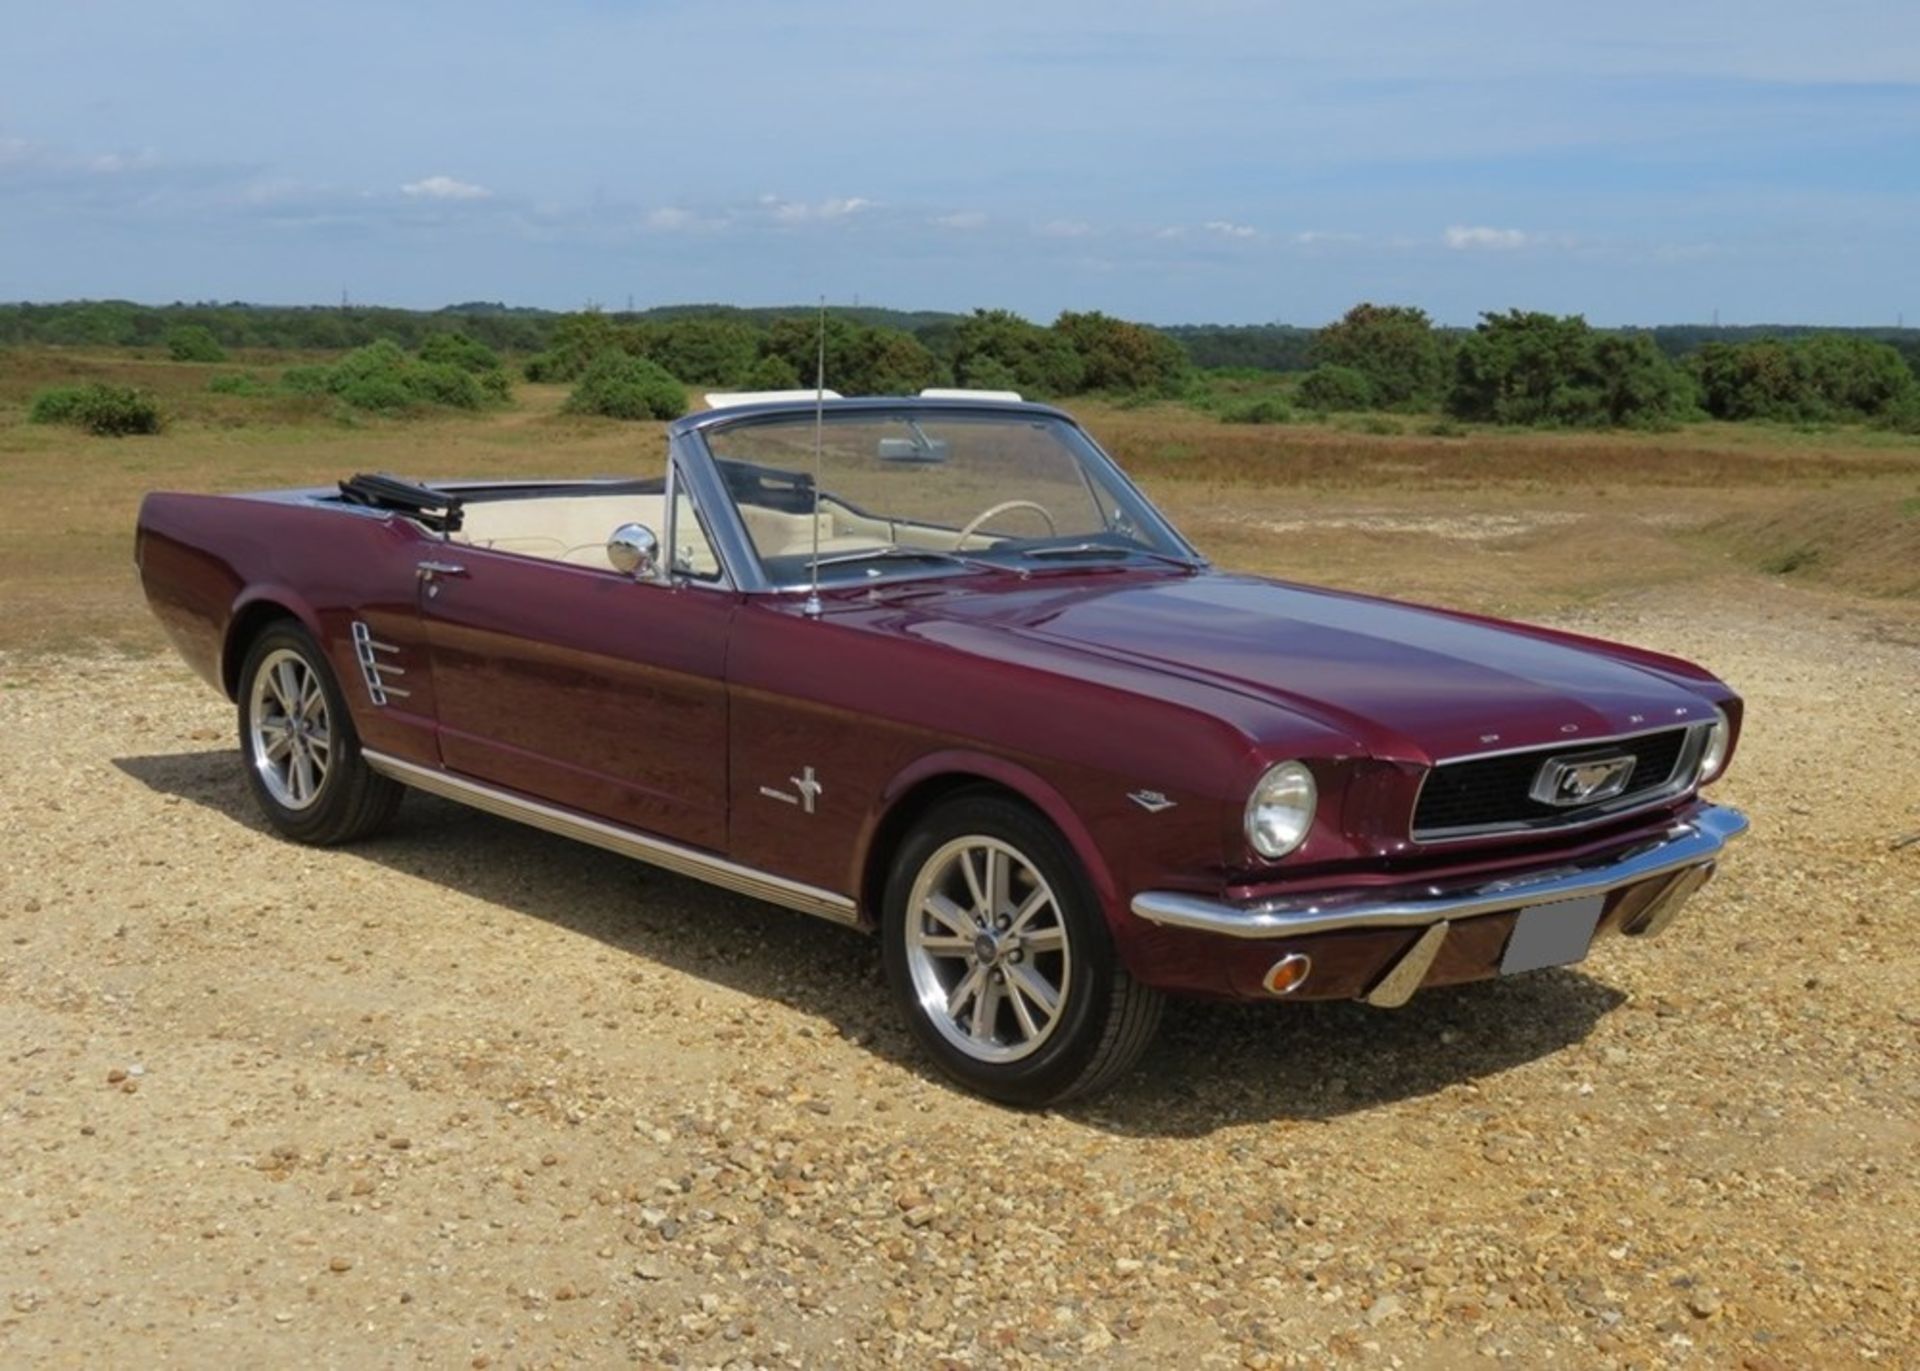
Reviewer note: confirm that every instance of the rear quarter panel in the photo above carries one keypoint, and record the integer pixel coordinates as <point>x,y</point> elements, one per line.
<point>211,564</point>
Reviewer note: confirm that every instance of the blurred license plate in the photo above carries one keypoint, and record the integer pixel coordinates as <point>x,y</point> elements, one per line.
<point>1552,934</point>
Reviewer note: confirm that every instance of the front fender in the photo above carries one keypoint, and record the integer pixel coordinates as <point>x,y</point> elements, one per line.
<point>1029,785</point>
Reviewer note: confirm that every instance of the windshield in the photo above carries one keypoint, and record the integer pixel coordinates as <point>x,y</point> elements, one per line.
<point>930,492</point>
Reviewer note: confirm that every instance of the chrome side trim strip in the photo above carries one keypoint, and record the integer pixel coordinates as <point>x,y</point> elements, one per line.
<point>684,861</point>
<point>1695,841</point>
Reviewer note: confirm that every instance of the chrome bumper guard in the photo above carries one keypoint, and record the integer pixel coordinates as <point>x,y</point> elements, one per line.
<point>1695,843</point>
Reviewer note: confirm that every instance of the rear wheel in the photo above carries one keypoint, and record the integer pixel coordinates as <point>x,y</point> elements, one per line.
<point>999,956</point>
<point>303,758</point>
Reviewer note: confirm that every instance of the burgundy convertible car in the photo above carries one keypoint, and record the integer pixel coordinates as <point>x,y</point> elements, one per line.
<point>932,666</point>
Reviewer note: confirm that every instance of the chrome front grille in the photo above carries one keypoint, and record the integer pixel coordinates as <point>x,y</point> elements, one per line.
<point>1476,796</point>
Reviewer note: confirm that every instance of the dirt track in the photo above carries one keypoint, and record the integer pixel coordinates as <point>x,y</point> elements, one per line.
<point>471,1093</point>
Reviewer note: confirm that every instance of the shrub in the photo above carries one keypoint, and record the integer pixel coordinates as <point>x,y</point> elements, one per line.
<point>1331,388</point>
<point>456,349</point>
<point>110,411</point>
<point>237,383</point>
<point>194,343</point>
<point>716,352</point>
<point>1530,368</point>
<point>443,383</point>
<point>771,373</point>
<point>995,349</point>
<point>860,360</point>
<point>1393,346</point>
<point>987,372</point>
<point>1266,410</point>
<point>620,386</point>
<point>451,371</point>
<point>1118,356</point>
<point>576,342</point>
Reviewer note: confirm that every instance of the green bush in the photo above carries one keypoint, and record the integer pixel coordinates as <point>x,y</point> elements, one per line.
<point>860,360</point>
<point>577,340</point>
<point>1332,388</point>
<point>1823,378</point>
<point>1265,410</point>
<point>237,383</point>
<point>451,371</point>
<point>995,349</point>
<point>194,343</point>
<point>1393,346</point>
<point>771,373</point>
<point>456,349</point>
<point>1118,356</point>
<point>1525,367</point>
<point>443,383</point>
<point>621,386</point>
<point>110,411</point>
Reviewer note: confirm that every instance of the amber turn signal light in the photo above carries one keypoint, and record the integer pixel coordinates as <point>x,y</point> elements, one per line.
<point>1287,975</point>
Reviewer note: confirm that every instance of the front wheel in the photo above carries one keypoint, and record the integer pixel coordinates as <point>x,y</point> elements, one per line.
<point>303,758</point>
<point>999,956</point>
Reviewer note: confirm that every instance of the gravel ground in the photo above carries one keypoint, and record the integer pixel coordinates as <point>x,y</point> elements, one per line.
<point>470,1094</point>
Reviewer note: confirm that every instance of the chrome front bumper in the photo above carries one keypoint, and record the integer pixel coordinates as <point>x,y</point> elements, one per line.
<point>1695,843</point>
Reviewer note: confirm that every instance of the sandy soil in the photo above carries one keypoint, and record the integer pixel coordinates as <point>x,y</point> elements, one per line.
<point>470,1094</point>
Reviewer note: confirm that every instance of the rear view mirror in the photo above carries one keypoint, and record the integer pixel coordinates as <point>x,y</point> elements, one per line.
<point>921,449</point>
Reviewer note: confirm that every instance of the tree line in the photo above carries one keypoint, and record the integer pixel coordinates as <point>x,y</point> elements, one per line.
<point>1517,367</point>
<point>1525,367</point>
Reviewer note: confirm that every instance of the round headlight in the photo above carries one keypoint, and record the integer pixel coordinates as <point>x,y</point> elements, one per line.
<point>1280,810</point>
<point>1713,757</point>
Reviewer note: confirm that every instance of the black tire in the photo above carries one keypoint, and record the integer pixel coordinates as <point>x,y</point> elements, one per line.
<point>343,798</point>
<point>1104,1018</point>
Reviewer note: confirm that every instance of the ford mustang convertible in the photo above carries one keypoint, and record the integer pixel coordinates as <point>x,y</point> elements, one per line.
<point>931,666</point>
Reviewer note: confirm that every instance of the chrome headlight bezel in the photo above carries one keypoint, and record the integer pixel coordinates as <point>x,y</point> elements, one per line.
<point>1280,809</point>
<point>1714,750</point>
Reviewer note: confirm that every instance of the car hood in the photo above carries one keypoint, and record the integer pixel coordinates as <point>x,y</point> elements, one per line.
<point>1401,681</point>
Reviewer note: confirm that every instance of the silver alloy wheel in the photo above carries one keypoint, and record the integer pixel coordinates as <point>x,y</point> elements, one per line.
<point>987,948</point>
<point>288,729</point>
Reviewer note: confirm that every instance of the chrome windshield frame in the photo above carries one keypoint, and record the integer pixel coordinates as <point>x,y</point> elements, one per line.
<point>688,451</point>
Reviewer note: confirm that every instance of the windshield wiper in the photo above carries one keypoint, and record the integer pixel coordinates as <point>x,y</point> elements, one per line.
<point>1108,550</point>
<point>897,553</point>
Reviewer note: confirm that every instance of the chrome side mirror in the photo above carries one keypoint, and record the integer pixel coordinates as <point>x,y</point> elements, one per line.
<point>634,550</point>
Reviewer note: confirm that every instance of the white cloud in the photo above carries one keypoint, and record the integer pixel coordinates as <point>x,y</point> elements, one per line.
<point>668,219</point>
<point>1064,228</point>
<point>444,188</point>
<point>1171,231</point>
<point>1230,230</point>
<point>964,219</point>
<point>1465,239</point>
<point>800,212</point>
<point>1309,237</point>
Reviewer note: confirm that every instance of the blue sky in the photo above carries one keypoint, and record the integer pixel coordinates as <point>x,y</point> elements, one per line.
<point>1212,160</point>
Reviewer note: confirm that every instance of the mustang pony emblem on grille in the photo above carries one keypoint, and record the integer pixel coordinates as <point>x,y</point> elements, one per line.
<point>1582,780</point>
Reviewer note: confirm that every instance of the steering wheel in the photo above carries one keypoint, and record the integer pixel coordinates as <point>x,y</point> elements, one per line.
<point>973,524</point>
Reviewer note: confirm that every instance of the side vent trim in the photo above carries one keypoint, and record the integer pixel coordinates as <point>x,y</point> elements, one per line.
<point>376,673</point>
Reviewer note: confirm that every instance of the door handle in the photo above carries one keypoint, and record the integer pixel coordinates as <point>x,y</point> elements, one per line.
<point>429,570</point>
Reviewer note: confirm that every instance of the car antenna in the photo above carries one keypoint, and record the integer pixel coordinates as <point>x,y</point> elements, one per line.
<point>812,606</point>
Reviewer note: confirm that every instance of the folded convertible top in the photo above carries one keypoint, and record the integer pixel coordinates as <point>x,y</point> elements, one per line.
<point>379,490</point>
